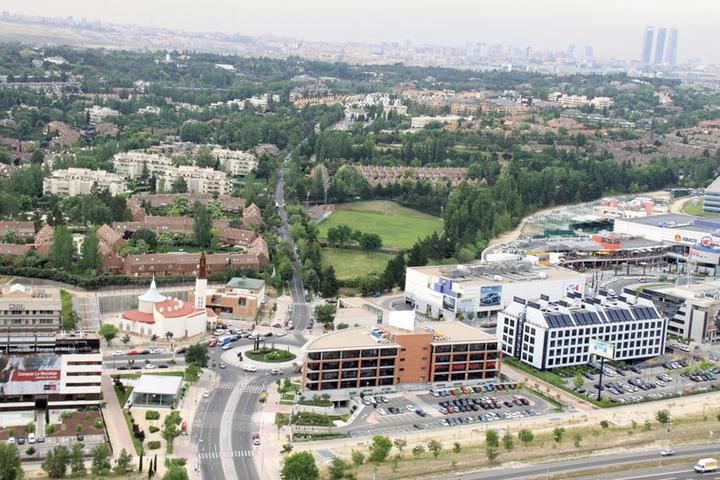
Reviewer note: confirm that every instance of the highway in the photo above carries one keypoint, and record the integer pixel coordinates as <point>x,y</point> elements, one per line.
<point>675,471</point>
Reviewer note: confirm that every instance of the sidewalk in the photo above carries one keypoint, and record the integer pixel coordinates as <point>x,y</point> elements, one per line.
<point>115,420</point>
<point>547,389</point>
<point>184,446</point>
<point>268,459</point>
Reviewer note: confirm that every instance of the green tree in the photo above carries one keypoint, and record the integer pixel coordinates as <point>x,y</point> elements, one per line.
<point>508,440</point>
<point>197,353</point>
<point>418,450</point>
<point>435,447</point>
<point>62,249</point>
<point>175,472</point>
<point>101,460</point>
<point>492,438</point>
<point>204,158</point>
<point>379,448</point>
<point>10,467</point>
<point>125,339</point>
<point>170,430</point>
<point>337,469</point>
<point>577,438</point>
<point>491,453</point>
<point>558,434</point>
<point>604,424</point>
<point>180,186</point>
<point>299,466</point>
<point>202,224</point>
<point>328,282</point>
<point>147,236</point>
<point>400,444</point>
<point>124,463</point>
<point>526,436</point>
<point>370,242</point>
<point>108,331</point>
<point>10,236</point>
<point>578,382</point>
<point>663,417</point>
<point>56,462</point>
<point>77,461</point>
<point>325,314</point>
<point>457,447</point>
<point>90,258</point>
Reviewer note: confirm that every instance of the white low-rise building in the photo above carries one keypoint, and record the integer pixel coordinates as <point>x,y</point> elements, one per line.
<point>134,164</point>
<point>454,291</point>
<point>80,181</point>
<point>551,334</point>
<point>97,114</point>
<point>235,162</point>
<point>198,180</point>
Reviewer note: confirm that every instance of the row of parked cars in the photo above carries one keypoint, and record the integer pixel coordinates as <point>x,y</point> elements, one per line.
<point>486,417</point>
<point>458,391</point>
<point>474,404</point>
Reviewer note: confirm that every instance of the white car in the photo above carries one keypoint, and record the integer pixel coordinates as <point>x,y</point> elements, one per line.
<point>227,347</point>
<point>157,350</point>
<point>150,366</point>
<point>117,353</point>
<point>206,394</point>
<point>11,441</point>
<point>381,411</point>
<point>410,408</point>
<point>667,452</point>
<point>250,368</point>
<point>31,437</point>
<point>281,334</point>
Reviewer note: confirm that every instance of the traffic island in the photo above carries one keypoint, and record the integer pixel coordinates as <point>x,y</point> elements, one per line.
<point>270,355</point>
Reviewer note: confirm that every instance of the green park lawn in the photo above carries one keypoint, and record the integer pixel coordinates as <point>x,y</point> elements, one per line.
<point>399,227</point>
<point>354,263</point>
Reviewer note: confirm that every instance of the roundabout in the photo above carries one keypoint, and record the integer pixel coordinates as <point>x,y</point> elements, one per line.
<point>230,357</point>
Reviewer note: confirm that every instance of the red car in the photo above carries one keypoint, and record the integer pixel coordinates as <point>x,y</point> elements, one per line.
<point>133,352</point>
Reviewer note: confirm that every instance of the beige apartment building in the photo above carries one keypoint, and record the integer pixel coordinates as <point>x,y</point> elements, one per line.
<point>24,309</point>
<point>235,162</point>
<point>80,181</point>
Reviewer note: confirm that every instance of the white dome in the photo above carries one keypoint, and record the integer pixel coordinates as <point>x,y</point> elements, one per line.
<point>152,295</point>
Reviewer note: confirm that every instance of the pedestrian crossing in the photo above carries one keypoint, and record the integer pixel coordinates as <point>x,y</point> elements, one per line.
<point>241,387</point>
<point>216,454</point>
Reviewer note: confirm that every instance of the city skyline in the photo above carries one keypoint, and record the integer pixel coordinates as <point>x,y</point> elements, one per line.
<point>553,25</point>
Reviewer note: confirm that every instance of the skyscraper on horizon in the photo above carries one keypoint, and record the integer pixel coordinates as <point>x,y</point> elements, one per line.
<point>660,45</point>
<point>647,45</point>
<point>671,48</point>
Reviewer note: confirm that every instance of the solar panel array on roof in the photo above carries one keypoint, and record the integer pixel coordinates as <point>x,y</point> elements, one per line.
<point>559,320</point>
<point>584,317</point>
<point>644,313</point>
<point>618,315</point>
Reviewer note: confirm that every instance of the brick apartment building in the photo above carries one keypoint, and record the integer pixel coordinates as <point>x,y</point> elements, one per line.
<point>402,354</point>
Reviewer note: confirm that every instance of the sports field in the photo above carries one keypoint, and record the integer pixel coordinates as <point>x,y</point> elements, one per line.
<point>354,263</point>
<point>398,226</point>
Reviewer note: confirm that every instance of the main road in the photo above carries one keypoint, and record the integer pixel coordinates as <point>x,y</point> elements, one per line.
<point>651,461</point>
<point>224,423</point>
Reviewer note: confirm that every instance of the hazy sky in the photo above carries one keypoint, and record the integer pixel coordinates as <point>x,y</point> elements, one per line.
<point>612,27</point>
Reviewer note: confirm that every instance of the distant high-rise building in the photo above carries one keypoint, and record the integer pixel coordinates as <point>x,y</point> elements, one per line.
<point>671,49</point>
<point>647,44</point>
<point>660,45</point>
<point>571,51</point>
<point>589,54</point>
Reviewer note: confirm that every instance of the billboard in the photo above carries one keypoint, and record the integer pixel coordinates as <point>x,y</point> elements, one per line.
<point>602,349</point>
<point>702,254</point>
<point>490,296</point>
<point>572,286</point>
<point>30,374</point>
<point>448,303</point>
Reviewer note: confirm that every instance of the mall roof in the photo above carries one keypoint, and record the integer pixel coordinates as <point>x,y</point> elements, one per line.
<point>678,221</point>
<point>158,384</point>
<point>497,272</point>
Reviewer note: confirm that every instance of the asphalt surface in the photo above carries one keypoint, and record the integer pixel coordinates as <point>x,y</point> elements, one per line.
<point>557,469</point>
<point>224,422</point>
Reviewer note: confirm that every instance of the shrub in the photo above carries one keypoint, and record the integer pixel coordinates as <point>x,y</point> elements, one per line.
<point>49,429</point>
<point>152,415</point>
<point>30,451</point>
<point>153,444</point>
<point>153,429</point>
<point>98,424</point>
<point>30,427</point>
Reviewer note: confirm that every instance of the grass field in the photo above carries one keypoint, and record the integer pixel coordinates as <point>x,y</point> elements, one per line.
<point>354,263</point>
<point>695,207</point>
<point>398,226</point>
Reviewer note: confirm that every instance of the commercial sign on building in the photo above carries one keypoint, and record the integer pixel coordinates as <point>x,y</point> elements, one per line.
<point>30,374</point>
<point>602,349</point>
<point>702,254</point>
<point>490,296</point>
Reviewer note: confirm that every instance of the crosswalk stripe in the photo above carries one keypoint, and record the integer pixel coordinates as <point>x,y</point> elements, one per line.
<point>241,387</point>
<point>216,455</point>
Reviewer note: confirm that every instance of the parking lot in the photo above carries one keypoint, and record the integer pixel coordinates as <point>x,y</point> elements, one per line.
<point>638,384</point>
<point>444,408</point>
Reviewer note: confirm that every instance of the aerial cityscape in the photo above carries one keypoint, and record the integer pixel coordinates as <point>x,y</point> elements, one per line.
<point>311,241</point>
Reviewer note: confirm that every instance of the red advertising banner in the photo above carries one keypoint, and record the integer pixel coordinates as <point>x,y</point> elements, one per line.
<point>35,375</point>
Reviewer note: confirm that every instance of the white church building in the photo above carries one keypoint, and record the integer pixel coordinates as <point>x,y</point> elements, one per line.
<point>159,315</point>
